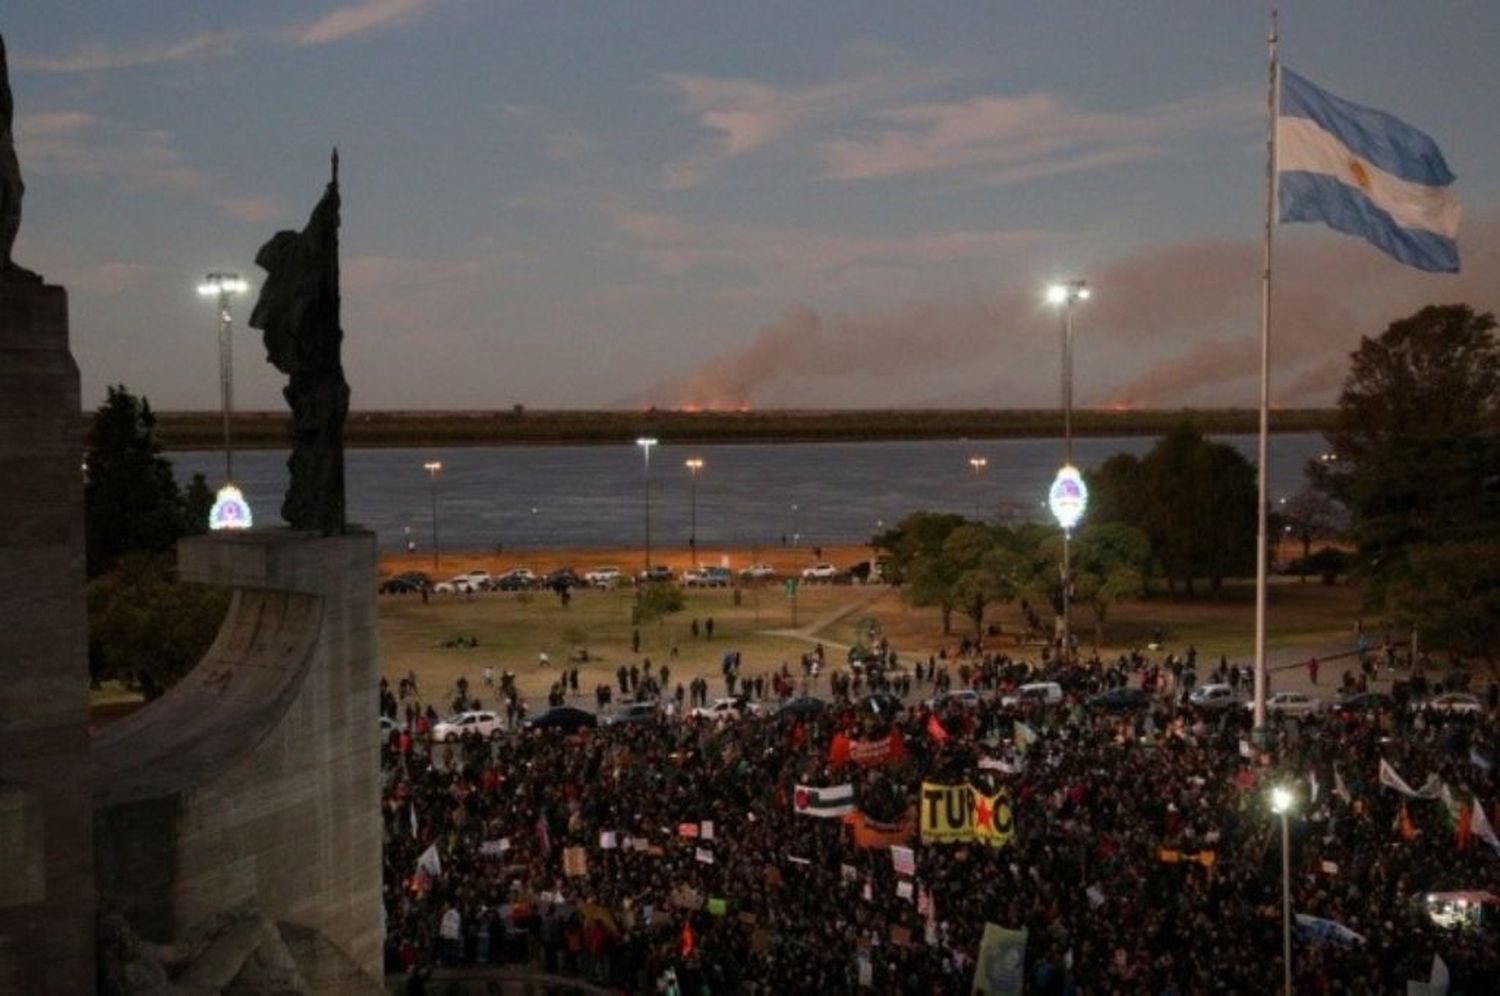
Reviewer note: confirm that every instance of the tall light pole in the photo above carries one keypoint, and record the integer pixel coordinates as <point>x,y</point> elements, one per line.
<point>978,463</point>
<point>224,286</point>
<point>645,443</point>
<point>433,468</point>
<point>693,464</point>
<point>1067,488</point>
<point>1281,805</point>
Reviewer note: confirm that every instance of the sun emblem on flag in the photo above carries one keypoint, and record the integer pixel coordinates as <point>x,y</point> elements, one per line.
<point>1360,174</point>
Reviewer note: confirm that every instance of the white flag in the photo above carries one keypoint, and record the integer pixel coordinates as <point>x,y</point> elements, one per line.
<point>1479,824</point>
<point>1339,788</point>
<point>1430,789</point>
<point>1437,985</point>
<point>429,863</point>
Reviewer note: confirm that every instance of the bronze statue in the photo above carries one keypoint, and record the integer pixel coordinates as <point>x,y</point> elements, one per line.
<point>11,187</point>
<point>298,311</point>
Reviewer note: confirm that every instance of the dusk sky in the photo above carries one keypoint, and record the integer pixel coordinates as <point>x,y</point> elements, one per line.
<point>831,204</point>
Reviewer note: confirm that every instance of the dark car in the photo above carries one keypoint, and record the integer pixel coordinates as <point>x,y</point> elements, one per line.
<point>515,582</point>
<point>569,719</point>
<point>802,706</point>
<point>634,713</point>
<point>652,575</point>
<point>1364,702</point>
<point>563,579</point>
<point>410,582</point>
<point>1121,700</point>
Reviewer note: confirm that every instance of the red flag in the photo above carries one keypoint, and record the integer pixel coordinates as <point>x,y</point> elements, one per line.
<point>1464,827</point>
<point>1404,824</point>
<point>688,942</point>
<point>935,729</point>
<point>838,751</point>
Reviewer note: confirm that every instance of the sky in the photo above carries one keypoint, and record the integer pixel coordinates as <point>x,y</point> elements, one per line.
<point>850,203</point>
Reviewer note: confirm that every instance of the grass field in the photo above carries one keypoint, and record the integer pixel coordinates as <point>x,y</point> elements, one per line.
<point>512,630</point>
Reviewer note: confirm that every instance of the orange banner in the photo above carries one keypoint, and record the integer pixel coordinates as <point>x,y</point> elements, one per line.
<point>870,834</point>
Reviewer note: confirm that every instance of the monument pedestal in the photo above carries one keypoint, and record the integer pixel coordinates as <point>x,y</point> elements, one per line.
<point>46,808</point>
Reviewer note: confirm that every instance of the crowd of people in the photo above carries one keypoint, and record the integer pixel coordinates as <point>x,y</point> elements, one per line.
<point>671,856</point>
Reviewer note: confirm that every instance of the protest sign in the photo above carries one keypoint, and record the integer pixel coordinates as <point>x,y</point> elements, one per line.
<point>947,813</point>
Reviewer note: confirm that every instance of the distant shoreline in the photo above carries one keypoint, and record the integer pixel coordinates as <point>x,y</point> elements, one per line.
<point>540,427</point>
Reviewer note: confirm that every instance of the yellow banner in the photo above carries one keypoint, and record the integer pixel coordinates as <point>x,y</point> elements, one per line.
<point>947,813</point>
<point>993,823</point>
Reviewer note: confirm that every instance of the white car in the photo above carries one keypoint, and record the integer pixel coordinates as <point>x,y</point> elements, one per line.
<point>459,585</point>
<point>1291,704</point>
<point>725,710</point>
<point>602,577</point>
<point>820,572</point>
<point>481,578</point>
<point>1036,693</point>
<point>482,722</point>
<point>1213,696</point>
<point>966,697</point>
<point>695,577</point>
<point>756,572</point>
<point>1453,702</point>
<point>389,726</point>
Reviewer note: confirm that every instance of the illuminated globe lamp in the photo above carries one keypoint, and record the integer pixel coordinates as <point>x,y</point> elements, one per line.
<point>1068,498</point>
<point>230,510</point>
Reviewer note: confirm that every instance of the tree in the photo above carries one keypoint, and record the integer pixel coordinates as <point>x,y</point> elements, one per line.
<point>1416,447</point>
<point>146,628</point>
<point>917,562</point>
<point>654,602</point>
<point>1110,564</point>
<point>131,500</point>
<point>985,568</point>
<point>1310,515</point>
<point>1452,590</point>
<point>1193,498</point>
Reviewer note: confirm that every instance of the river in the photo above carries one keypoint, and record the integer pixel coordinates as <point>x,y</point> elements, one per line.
<point>594,496</point>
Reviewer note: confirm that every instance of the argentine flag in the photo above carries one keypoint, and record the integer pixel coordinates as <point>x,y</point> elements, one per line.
<point>1366,173</point>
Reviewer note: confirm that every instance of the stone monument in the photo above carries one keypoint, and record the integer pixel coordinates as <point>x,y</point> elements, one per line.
<point>46,848</point>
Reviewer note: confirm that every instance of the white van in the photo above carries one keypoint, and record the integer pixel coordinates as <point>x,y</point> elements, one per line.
<point>1038,692</point>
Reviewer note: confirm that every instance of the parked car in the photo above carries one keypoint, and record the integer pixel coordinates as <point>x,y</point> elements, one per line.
<point>602,577</point>
<point>569,719</point>
<point>758,571</point>
<point>802,705</point>
<point>695,577</point>
<point>966,697</point>
<point>563,578</point>
<point>654,575</point>
<point>1291,704</point>
<point>1035,693</point>
<point>482,722</point>
<point>719,577</point>
<point>516,579</point>
<point>1452,702</point>
<point>481,578</point>
<point>1121,700</point>
<point>1213,697</point>
<point>1364,702</point>
<point>633,713</point>
<point>456,585</point>
<point>820,572</point>
<point>406,583</point>
<point>724,710</point>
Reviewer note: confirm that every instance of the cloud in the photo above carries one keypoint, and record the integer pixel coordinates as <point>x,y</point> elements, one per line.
<point>360,19</point>
<point>747,116</point>
<point>252,209</point>
<point>1008,139</point>
<point>99,58</point>
<point>106,279</point>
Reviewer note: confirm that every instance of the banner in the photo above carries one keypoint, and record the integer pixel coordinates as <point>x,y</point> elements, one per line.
<point>1000,969</point>
<point>832,800</point>
<point>947,813</point>
<point>889,749</point>
<point>993,823</point>
<point>872,834</point>
<point>575,862</point>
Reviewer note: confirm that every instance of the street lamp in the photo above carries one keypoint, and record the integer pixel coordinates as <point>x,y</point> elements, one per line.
<point>433,467</point>
<point>1068,497</point>
<point>224,286</point>
<point>796,531</point>
<point>978,463</point>
<point>693,464</point>
<point>1281,805</point>
<point>645,443</point>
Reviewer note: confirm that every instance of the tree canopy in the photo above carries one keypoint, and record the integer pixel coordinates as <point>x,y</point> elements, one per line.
<point>1416,447</point>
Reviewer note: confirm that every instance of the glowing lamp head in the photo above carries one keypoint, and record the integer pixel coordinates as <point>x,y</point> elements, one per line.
<point>1067,293</point>
<point>222,283</point>
<point>1281,800</point>
<point>645,441</point>
<point>230,510</point>
<point>693,464</point>
<point>1068,497</point>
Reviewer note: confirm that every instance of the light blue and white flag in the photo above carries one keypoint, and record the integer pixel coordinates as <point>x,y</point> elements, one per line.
<point>1364,172</point>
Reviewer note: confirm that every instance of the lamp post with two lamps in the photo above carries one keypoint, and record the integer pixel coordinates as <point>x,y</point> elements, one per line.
<point>645,443</point>
<point>1282,800</point>
<point>1068,497</point>
<point>693,465</point>
<point>978,464</point>
<point>433,468</point>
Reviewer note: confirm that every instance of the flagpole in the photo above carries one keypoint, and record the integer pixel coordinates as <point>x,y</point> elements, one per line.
<point>1263,498</point>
